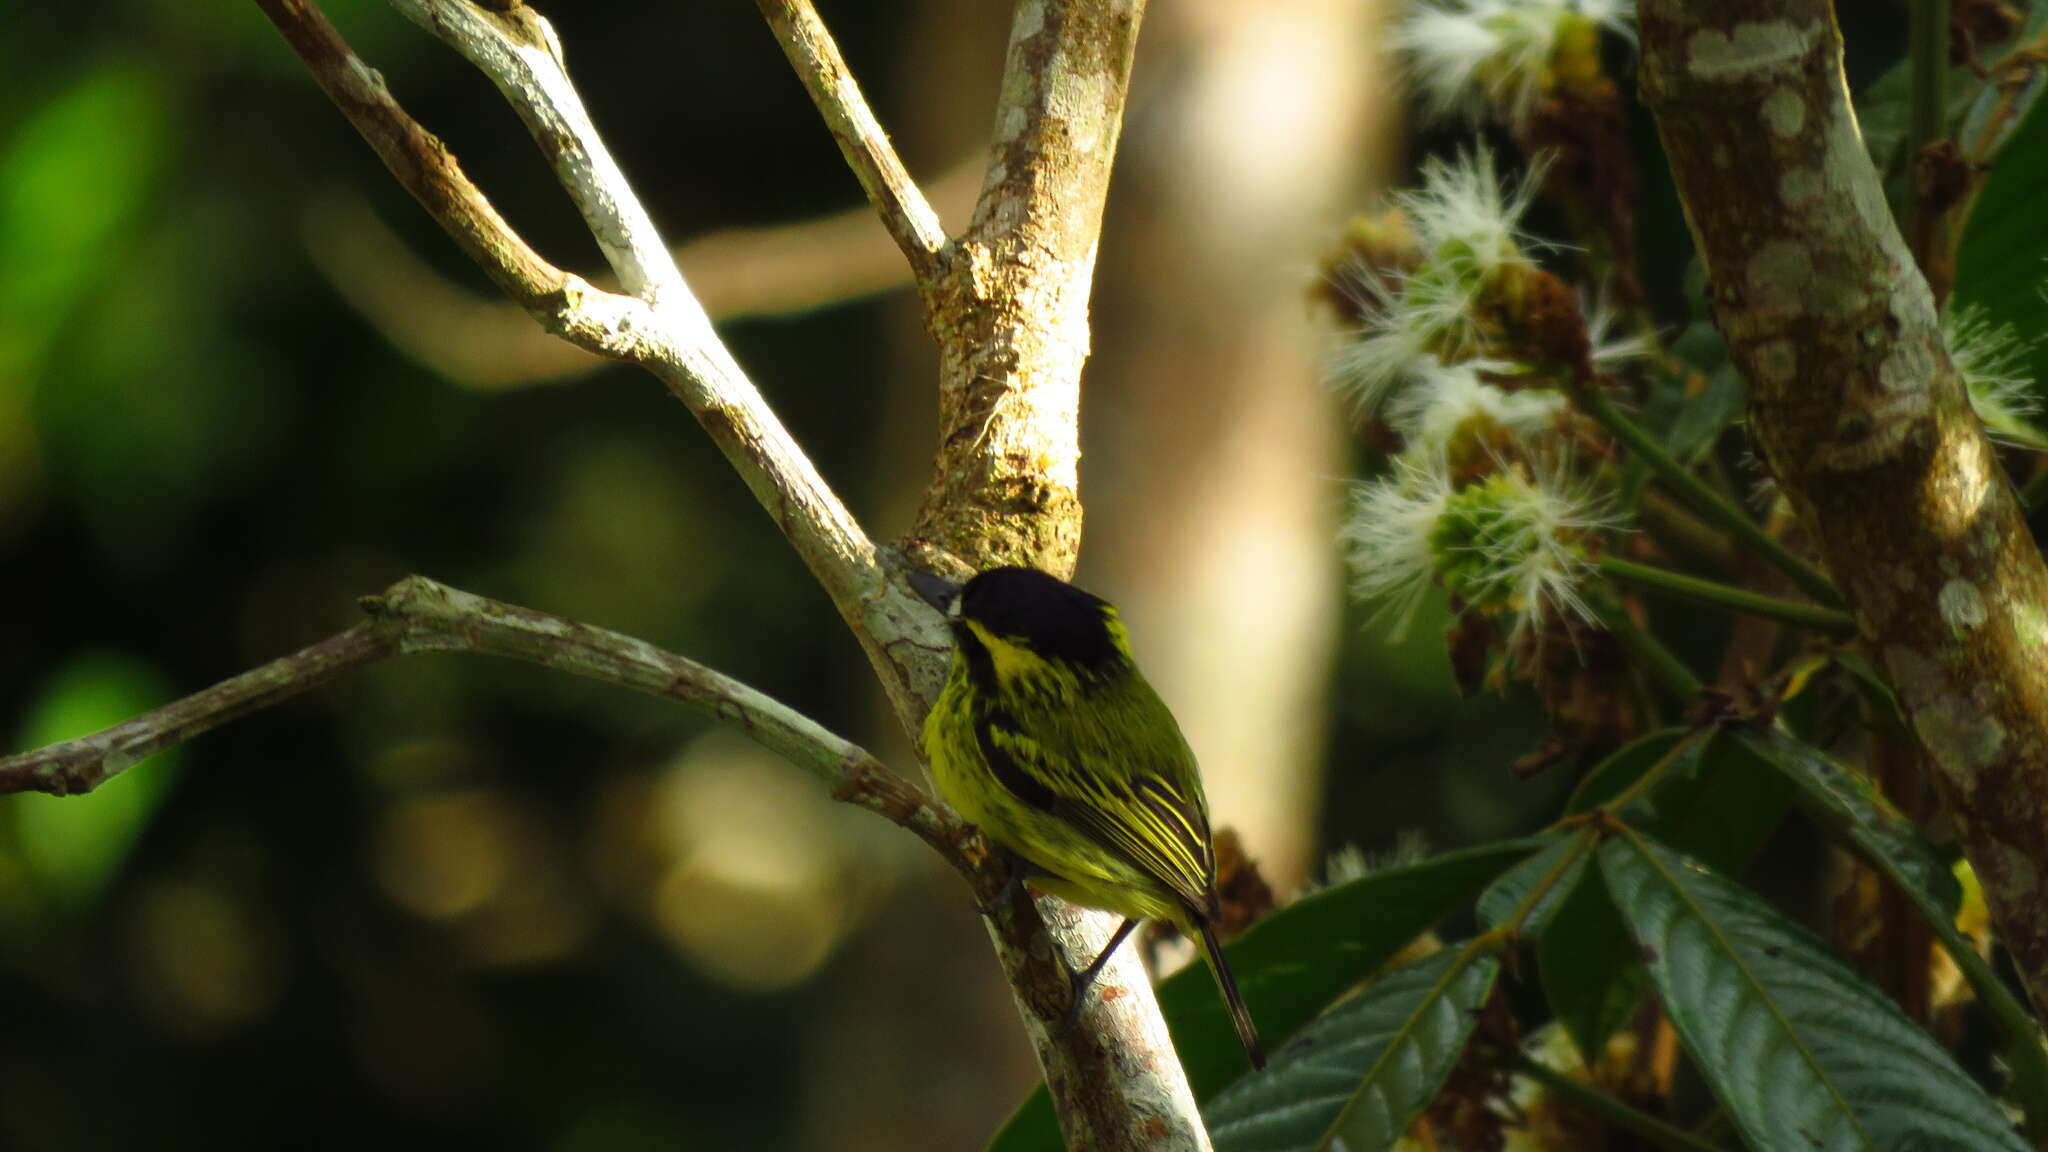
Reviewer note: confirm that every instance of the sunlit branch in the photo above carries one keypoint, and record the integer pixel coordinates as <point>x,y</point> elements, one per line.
<point>904,211</point>
<point>420,615</point>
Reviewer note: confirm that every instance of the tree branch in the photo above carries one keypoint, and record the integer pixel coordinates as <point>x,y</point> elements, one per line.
<point>489,344</point>
<point>1010,315</point>
<point>81,765</point>
<point>662,328</point>
<point>1858,409</point>
<point>419,615</point>
<point>1010,312</point>
<point>909,219</point>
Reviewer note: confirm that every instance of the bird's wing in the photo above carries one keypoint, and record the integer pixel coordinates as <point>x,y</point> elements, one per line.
<point>1142,803</point>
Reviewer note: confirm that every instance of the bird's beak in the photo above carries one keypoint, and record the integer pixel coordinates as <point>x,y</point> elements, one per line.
<point>933,590</point>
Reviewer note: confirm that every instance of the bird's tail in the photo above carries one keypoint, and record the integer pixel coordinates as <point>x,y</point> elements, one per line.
<point>1239,1014</point>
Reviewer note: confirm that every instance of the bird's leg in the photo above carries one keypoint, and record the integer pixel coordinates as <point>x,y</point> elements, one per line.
<point>1085,978</point>
<point>1019,870</point>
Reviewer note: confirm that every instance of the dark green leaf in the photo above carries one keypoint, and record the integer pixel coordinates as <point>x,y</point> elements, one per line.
<point>2000,264</point>
<point>1557,867</point>
<point>1361,1073</point>
<point>1849,806</point>
<point>1587,965</point>
<point>1292,964</point>
<point>1801,1051</point>
<point>1609,778</point>
<point>1712,801</point>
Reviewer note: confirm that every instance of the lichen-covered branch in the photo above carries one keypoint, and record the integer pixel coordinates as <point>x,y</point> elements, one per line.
<point>81,765</point>
<point>1857,409</point>
<point>1010,310</point>
<point>904,211</point>
<point>418,615</point>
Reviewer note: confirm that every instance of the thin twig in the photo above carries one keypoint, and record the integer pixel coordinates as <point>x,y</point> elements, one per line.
<point>419,615</point>
<point>83,764</point>
<point>565,304</point>
<point>518,50</point>
<point>904,211</point>
<point>488,343</point>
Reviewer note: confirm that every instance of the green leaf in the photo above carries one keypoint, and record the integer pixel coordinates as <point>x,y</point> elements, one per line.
<point>1850,807</point>
<point>1848,804</point>
<point>1587,965</point>
<point>1801,1050</point>
<point>1292,964</point>
<point>73,845</point>
<point>1622,768</point>
<point>1556,869</point>
<point>1999,265</point>
<point>1357,1077</point>
<point>1710,800</point>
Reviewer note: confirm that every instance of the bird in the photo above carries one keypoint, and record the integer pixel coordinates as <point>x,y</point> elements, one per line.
<point>1049,739</point>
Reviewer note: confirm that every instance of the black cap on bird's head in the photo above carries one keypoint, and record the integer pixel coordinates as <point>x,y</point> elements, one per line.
<point>1023,605</point>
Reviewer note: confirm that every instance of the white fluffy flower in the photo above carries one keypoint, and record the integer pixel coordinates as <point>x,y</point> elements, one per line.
<point>1511,545</point>
<point>1464,215</point>
<point>1387,538</point>
<point>1467,56</point>
<point>1467,224</point>
<point>1604,348</point>
<point>1992,360</point>
<point>1444,398</point>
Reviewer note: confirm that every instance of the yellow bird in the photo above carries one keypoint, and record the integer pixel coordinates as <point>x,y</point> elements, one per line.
<point>1049,739</point>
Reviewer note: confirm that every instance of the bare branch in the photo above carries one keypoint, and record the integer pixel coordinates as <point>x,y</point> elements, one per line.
<point>565,304</point>
<point>488,344</point>
<point>419,615</point>
<point>666,332</point>
<point>81,765</point>
<point>1011,312</point>
<point>909,219</point>
<point>1858,409</point>
<point>518,50</point>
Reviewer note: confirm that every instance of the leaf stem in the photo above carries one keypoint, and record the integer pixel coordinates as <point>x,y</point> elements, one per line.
<point>1704,500</point>
<point>1658,660</point>
<point>1927,50</point>
<point>1658,1132</point>
<point>1702,591</point>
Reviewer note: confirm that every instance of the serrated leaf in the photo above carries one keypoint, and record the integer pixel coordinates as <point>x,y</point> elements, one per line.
<point>1556,870</point>
<point>1362,1072</point>
<point>1292,964</point>
<point>1803,1052</point>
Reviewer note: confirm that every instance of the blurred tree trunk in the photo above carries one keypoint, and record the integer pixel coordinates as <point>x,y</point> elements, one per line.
<point>1209,444</point>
